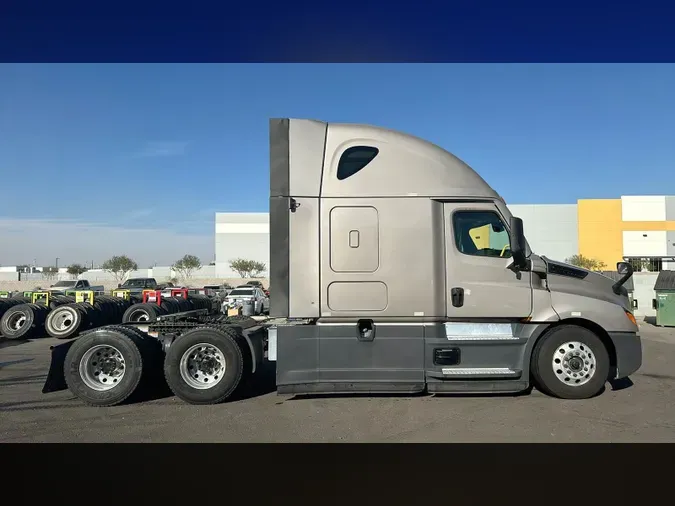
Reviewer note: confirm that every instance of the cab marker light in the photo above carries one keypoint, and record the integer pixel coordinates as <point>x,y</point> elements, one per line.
<point>631,317</point>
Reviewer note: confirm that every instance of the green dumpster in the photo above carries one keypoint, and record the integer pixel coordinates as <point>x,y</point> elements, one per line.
<point>665,299</point>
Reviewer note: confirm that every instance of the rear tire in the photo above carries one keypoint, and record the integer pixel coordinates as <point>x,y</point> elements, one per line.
<point>100,359</point>
<point>570,362</point>
<point>205,365</point>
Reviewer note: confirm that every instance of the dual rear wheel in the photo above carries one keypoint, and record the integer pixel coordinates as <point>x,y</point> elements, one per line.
<point>206,365</point>
<point>112,365</point>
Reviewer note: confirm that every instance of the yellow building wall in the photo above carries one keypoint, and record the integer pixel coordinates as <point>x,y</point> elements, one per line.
<point>601,229</point>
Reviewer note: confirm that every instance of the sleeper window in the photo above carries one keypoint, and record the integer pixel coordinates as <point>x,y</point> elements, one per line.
<point>354,159</point>
<point>481,233</point>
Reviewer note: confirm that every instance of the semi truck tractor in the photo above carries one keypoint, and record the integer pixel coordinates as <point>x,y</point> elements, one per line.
<point>396,269</point>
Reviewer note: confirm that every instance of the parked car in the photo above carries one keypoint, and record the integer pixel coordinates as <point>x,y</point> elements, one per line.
<point>241,294</point>
<point>61,287</point>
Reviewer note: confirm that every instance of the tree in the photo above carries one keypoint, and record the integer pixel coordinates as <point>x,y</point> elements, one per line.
<point>49,272</point>
<point>120,267</point>
<point>258,269</point>
<point>76,269</point>
<point>592,264</point>
<point>244,267</point>
<point>186,266</point>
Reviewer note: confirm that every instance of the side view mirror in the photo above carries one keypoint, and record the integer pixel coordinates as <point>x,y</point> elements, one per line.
<point>623,267</point>
<point>119,285</point>
<point>626,271</point>
<point>517,243</point>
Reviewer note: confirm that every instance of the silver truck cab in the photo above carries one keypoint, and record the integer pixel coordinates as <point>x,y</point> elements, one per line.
<point>409,273</point>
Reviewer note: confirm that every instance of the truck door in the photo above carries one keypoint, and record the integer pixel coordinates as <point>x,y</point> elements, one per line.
<point>479,282</point>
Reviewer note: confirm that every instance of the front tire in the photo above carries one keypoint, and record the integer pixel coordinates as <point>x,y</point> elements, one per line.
<point>570,362</point>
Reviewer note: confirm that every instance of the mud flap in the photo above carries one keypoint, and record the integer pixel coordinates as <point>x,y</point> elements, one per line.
<point>56,379</point>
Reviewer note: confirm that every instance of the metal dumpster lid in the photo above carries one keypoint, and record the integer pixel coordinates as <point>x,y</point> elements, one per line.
<point>665,281</point>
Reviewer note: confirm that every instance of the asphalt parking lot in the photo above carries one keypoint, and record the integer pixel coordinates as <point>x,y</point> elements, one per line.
<point>641,412</point>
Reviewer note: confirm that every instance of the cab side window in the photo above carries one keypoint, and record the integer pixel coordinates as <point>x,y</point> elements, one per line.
<point>481,233</point>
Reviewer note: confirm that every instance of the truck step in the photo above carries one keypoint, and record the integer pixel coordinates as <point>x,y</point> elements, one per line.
<point>455,373</point>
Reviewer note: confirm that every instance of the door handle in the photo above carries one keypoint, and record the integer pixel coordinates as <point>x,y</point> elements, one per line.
<point>366,330</point>
<point>457,296</point>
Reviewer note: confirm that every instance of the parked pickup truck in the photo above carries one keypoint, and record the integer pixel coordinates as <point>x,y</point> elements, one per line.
<point>137,285</point>
<point>61,287</point>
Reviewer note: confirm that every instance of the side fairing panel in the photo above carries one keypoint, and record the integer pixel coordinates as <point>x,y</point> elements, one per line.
<point>279,210</point>
<point>296,166</point>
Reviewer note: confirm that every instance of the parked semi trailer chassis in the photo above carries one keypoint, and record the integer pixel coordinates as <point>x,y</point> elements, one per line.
<point>203,358</point>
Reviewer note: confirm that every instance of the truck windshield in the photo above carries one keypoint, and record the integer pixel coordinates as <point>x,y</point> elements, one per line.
<point>65,283</point>
<point>134,283</point>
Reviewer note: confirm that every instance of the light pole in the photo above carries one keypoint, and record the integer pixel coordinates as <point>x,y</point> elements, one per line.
<point>57,264</point>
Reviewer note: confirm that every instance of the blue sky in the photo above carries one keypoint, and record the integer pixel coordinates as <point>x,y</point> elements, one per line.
<point>109,146</point>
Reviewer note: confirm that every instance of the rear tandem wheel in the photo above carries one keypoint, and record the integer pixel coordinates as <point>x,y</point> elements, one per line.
<point>107,366</point>
<point>207,364</point>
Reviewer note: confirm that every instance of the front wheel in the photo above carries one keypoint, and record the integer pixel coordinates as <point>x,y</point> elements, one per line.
<point>570,362</point>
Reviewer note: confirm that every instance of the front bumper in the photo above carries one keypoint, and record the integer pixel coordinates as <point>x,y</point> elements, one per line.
<point>628,346</point>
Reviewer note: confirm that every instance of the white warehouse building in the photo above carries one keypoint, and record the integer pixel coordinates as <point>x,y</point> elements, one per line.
<point>241,235</point>
<point>551,230</point>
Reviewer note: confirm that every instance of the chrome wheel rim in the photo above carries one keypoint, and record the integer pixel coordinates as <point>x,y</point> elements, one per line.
<point>102,367</point>
<point>574,363</point>
<point>202,366</point>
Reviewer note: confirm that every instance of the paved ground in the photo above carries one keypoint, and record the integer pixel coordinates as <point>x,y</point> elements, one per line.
<point>642,412</point>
